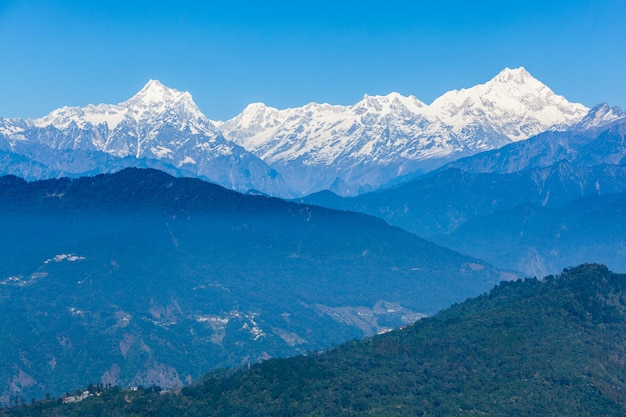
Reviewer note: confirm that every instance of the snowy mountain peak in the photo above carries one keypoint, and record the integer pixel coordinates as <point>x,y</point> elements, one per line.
<point>255,107</point>
<point>514,101</point>
<point>393,103</point>
<point>152,102</point>
<point>607,113</point>
<point>155,92</point>
<point>155,98</point>
<point>82,117</point>
<point>156,105</point>
<point>155,85</point>
<point>518,84</point>
<point>600,116</point>
<point>508,87</point>
<point>516,75</point>
<point>260,114</point>
<point>391,97</point>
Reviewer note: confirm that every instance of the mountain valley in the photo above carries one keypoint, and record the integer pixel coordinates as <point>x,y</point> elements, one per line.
<point>140,278</point>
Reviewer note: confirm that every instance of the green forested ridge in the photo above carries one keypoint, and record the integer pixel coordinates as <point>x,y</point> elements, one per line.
<point>551,347</point>
<point>140,278</point>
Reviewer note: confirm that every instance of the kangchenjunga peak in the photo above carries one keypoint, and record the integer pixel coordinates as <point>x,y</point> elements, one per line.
<point>512,105</point>
<point>382,137</point>
<point>517,75</point>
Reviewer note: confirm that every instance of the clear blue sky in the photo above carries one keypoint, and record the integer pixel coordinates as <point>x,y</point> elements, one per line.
<point>286,54</point>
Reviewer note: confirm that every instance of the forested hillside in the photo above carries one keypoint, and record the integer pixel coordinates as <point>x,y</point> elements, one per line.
<point>551,347</point>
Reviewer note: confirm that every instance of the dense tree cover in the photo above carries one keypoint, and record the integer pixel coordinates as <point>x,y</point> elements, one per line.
<point>142,278</point>
<point>548,347</point>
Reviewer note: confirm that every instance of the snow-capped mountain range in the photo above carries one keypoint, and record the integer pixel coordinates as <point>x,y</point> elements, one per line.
<point>291,152</point>
<point>158,127</point>
<point>352,149</point>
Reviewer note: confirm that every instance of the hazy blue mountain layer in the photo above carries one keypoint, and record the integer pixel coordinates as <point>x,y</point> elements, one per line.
<point>142,278</point>
<point>551,170</point>
<point>537,239</point>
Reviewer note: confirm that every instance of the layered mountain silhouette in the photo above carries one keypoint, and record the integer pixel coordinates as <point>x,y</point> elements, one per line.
<point>116,273</point>
<point>549,171</point>
<point>140,278</point>
<point>537,239</point>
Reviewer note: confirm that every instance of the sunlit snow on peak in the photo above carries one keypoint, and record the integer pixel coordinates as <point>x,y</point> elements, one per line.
<point>519,104</point>
<point>519,75</point>
<point>155,92</point>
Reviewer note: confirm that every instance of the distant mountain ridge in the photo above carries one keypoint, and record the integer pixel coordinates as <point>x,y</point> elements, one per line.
<point>596,140</point>
<point>286,153</point>
<point>540,240</point>
<point>471,204</point>
<point>358,148</point>
<point>141,278</point>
